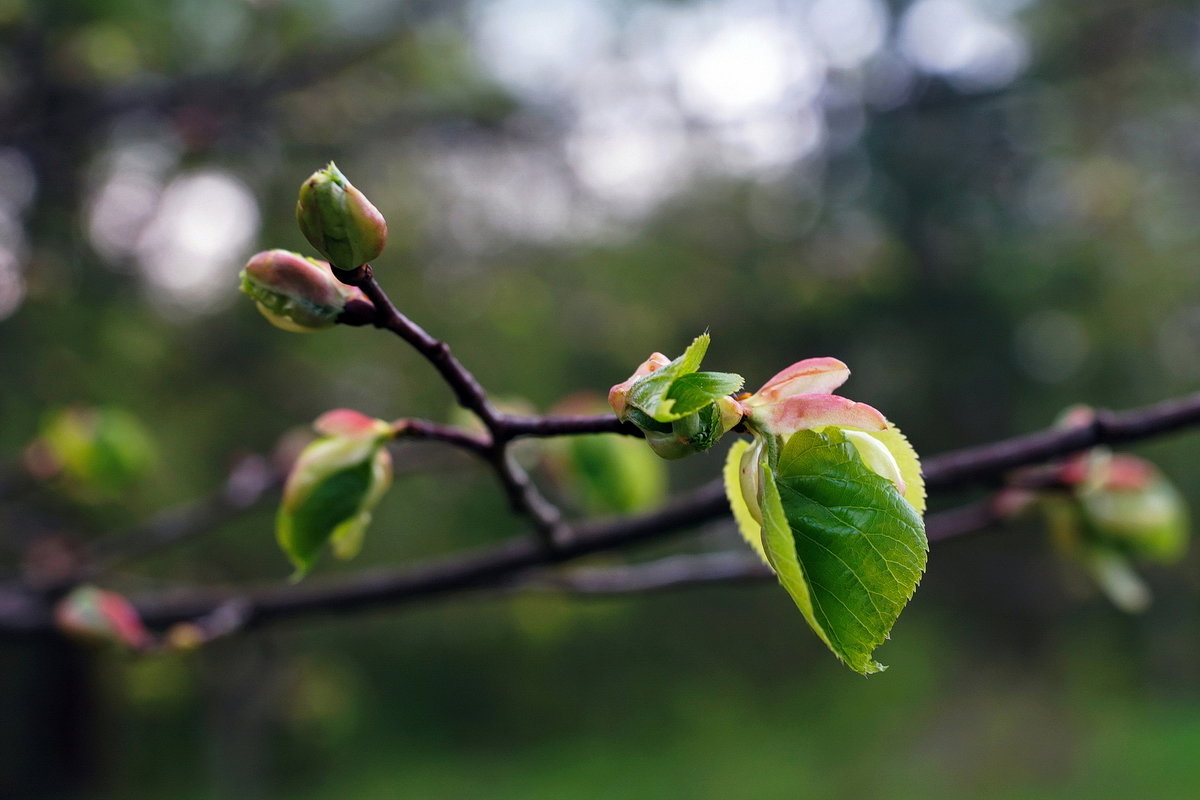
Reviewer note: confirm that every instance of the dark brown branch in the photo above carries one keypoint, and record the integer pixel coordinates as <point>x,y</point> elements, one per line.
<point>987,463</point>
<point>512,564</point>
<point>559,542</point>
<point>512,560</point>
<point>475,569</point>
<point>548,522</point>
<point>735,566</point>
<point>467,390</point>
<point>566,426</point>
<point>671,572</point>
<point>430,431</point>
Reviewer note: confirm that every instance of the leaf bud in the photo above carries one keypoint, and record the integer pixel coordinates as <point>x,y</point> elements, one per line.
<point>296,293</point>
<point>99,615</point>
<point>333,487</point>
<point>339,220</point>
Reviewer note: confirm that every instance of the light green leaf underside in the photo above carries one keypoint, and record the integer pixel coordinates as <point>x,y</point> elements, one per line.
<point>747,526</point>
<point>910,465</point>
<point>857,548</point>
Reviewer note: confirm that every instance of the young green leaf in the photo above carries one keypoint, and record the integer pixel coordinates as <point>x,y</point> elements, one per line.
<point>676,390</point>
<point>845,544</point>
<point>333,487</point>
<point>690,393</point>
<point>331,503</point>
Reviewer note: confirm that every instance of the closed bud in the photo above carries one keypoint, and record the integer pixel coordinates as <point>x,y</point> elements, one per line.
<point>339,220</point>
<point>296,293</point>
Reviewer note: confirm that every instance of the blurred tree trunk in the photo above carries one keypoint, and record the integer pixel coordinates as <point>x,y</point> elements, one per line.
<point>49,740</point>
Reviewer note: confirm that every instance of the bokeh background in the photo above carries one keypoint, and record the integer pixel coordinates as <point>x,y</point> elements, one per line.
<point>988,208</point>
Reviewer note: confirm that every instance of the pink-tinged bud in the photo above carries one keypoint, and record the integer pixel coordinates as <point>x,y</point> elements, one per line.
<point>96,614</point>
<point>339,220</point>
<point>333,487</point>
<point>1131,505</point>
<point>350,423</point>
<point>296,293</point>
<point>618,393</point>
<point>800,398</point>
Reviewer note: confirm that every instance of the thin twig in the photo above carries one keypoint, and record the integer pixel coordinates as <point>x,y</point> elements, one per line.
<point>549,524</point>
<point>249,482</point>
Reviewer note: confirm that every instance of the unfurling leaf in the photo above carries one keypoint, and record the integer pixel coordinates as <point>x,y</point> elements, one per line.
<point>335,484</point>
<point>680,411</point>
<point>843,541</point>
<point>676,389</point>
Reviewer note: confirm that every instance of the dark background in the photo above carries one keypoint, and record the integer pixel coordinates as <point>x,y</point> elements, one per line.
<point>987,208</point>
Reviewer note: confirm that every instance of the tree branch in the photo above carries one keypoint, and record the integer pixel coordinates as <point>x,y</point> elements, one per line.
<point>986,463</point>
<point>557,541</point>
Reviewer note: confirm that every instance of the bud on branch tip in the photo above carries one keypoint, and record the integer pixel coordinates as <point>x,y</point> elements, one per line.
<point>338,220</point>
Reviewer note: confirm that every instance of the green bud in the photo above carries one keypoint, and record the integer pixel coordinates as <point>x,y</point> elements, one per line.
<point>339,220</point>
<point>296,293</point>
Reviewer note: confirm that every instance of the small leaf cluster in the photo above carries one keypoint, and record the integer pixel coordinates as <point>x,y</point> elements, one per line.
<point>827,491</point>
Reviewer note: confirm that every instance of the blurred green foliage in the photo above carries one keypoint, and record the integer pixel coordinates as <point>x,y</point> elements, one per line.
<point>982,247</point>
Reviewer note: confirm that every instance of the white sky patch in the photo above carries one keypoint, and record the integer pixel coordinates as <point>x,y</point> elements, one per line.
<point>508,188</point>
<point>848,31</point>
<point>628,144</point>
<point>767,145</point>
<point>651,96</point>
<point>539,47</point>
<point>631,167</point>
<point>127,187</point>
<point>747,68</point>
<point>956,39</point>
<point>189,252</point>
